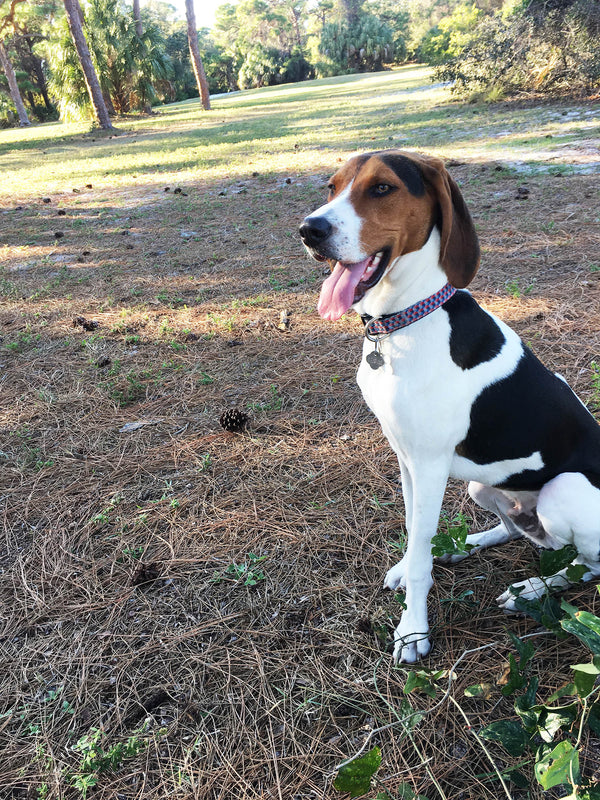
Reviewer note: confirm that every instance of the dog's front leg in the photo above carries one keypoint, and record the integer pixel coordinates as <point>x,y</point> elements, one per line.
<point>411,638</point>
<point>395,576</point>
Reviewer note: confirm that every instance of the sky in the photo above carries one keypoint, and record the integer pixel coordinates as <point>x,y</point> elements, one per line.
<point>205,10</point>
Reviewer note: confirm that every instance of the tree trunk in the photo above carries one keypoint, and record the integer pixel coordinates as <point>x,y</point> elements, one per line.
<point>195,55</point>
<point>74,18</point>
<point>137,16</point>
<point>40,78</point>
<point>13,86</point>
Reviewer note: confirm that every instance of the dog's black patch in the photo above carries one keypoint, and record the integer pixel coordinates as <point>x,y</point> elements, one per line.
<point>407,170</point>
<point>474,336</point>
<point>532,410</point>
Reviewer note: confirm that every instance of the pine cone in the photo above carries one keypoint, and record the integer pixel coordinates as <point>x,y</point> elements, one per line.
<point>233,420</point>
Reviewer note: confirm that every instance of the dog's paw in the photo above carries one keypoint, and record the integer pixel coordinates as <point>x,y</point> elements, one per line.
<point>394,578</point>
<point>531,589</point>
<point>411,646</point>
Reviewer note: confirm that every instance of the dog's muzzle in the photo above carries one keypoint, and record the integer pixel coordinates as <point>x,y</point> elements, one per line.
<point>314,231</point>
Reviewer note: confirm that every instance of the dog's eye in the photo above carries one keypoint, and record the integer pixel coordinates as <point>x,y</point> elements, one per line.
<point>380,189</point>
<point>331,188</point>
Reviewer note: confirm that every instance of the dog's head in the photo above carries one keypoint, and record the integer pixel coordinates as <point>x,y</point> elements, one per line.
<point>384,205</point>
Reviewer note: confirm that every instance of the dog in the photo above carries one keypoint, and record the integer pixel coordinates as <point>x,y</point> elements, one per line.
<point>455,390</point>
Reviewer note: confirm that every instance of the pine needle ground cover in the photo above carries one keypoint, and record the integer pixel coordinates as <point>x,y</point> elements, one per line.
<point>194,612</point>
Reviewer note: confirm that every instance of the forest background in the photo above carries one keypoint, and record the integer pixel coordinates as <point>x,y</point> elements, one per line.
<point>486,49</point>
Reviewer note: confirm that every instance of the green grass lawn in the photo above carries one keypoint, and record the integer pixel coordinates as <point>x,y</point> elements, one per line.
<point>283,128</point>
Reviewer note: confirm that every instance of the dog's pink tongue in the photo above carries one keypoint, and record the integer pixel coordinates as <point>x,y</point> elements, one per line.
<point>337,293</point>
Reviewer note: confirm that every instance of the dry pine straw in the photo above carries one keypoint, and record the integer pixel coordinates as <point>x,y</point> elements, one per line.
<point>113,617</point>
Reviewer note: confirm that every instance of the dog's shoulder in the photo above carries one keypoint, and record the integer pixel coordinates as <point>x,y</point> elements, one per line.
<point>475,335</point>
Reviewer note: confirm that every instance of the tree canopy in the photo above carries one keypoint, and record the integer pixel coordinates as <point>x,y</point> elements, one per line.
<point>485,48</point>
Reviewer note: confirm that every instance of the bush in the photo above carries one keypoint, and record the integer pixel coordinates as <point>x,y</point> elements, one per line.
<point>554,50</point>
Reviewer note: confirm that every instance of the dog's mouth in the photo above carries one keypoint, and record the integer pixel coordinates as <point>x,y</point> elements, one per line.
<point>348,283</point>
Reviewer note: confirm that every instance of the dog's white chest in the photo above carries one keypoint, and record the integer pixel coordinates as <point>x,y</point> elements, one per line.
<point>405,392</point>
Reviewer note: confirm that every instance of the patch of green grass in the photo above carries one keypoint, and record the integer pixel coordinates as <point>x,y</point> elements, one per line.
<point>513,287</point>
<point>360,111</point>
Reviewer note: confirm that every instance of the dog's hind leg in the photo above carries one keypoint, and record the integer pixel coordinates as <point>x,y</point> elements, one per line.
<point>569,511</point>
<point>500,504</point>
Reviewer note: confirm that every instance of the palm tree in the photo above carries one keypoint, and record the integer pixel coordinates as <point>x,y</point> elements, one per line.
<point>137,16</point>
<point>195,55</point>
<point>74,18</point>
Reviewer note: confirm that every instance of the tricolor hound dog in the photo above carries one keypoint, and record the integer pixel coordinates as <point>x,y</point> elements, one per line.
<point>456,391</point>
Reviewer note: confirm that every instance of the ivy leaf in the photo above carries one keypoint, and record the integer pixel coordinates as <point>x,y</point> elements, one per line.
<point>593,719</point>
<point>560,766</point>
<point>575,572</point>
<point>583,625</point>
<point>483,690</point>
<point>355,777</point>
<point>552,721</point>
<point>584,678</point>
<point>552,561</point>
<point>510,733</point>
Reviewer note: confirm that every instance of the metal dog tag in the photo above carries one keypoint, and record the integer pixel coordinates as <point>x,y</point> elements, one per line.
<point>375,359</point>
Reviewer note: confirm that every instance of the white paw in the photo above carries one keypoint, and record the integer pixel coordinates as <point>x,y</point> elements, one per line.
<point>531,589</point>
<point>394,578</point>
<point>409,646</point>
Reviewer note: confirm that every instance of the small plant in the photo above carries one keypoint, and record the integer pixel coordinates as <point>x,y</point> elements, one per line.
<point>564,715</point>
<point>244,573</point>
<point>95,759</point>
<point>451,540</point>
<point>274,403</point>
<point>205,462</point>
<point>514,288</point>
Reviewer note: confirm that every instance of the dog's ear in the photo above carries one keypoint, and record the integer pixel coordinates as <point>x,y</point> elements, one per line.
<point>459,248</point>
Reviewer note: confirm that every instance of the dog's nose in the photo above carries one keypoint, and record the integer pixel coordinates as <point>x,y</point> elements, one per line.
<point>314,231</point>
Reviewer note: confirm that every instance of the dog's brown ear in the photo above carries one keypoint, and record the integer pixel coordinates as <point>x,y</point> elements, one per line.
<point>459,249</point>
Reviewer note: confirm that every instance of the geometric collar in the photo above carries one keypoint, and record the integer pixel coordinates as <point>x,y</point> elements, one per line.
<point>388,323</point>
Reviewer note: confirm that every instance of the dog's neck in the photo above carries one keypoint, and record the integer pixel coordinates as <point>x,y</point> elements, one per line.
<point>407,280</point>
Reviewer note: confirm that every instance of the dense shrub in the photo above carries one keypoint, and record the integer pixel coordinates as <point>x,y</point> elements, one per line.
<point>551,46</point>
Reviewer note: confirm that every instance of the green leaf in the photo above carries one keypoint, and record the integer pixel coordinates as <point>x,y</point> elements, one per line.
<point>552,561</point>
<point>483,690</point>
<point>526,707</point>
<point>591,793</point>
<point>575,572</point>
<point>509,733</point>
<point>584,678</point>
<point>593,719</point>
<point>524,648</point>
<point>558,766</point>
<point>583,625</point>
<point>565,691</point>
<point>552,721</point>
<point>546,610</point>
<point>355,777</point>
<point>517,778</point>
<point>422,681</point>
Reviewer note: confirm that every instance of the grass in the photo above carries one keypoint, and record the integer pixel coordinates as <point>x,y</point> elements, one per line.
<point>122,498</point>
